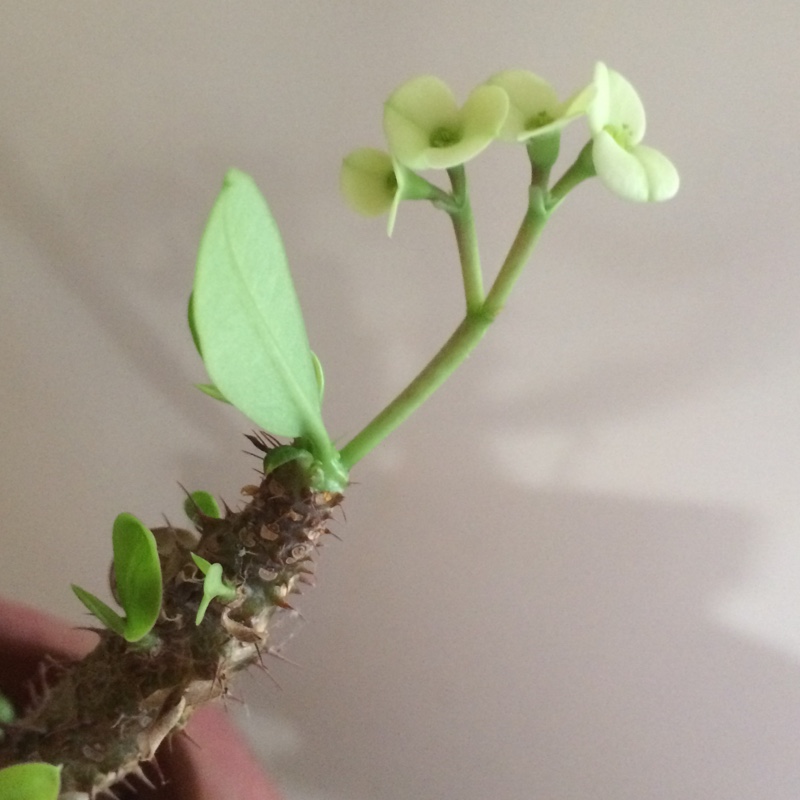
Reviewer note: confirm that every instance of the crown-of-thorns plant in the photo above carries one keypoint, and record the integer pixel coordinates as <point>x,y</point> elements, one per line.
<point>198,605</point>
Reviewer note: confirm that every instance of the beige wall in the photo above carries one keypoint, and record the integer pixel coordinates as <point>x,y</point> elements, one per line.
<point>576,574</point>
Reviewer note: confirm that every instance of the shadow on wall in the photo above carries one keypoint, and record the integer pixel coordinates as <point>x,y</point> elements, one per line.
<point>516,643</point>
<point>127,209</point>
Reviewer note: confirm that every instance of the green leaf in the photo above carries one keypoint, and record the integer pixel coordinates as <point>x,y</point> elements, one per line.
<point>202,502</point>
<point>192,326</point>
<point>248,318</point>
<point>6,710</point>
<point>213,585</point>
<point>138,573</point>
<point>104,613</point>
<point>212,391</point>
<point>202,564</point>
<point>7,713</point>
<point>33,781</point>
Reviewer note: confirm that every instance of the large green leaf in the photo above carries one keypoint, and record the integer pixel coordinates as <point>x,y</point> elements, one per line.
<point>192,326</point>
<point>138,573</point>
<point>32,781</point>
<point>247,318</point>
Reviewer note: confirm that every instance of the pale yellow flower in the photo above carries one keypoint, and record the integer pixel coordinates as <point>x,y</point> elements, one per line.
<point>617,122</point>
<point>534,107</point>
<point>426,129</point>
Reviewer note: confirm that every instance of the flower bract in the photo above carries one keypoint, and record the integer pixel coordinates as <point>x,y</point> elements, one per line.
<point>426,129</point>
<point>617,122</point>
<point>368,181</point>
<point>534,108</point>
<point>372,183</point>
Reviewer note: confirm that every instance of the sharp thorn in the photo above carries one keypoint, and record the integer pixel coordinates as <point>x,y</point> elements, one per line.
<point>182,732</point>
<point>139,773</point>
<point>154,763</point>
<point>277,654</point>
<point>235,699</point>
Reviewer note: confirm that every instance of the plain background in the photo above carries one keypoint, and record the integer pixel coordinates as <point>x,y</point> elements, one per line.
<point>575,575</point>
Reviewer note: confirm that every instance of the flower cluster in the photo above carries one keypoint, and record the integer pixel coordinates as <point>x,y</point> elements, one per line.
<point>426,129</point>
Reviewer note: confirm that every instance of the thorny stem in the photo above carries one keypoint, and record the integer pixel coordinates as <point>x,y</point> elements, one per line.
<point>102,716</point>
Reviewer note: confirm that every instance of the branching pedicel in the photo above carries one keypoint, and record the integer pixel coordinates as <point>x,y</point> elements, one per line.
<point>198,604</point>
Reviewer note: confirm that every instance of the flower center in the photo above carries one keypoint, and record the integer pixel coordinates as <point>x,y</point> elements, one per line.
<point>622,135</point>
<point>538,120</point>
<point>444,137</point>
<point>391,182</point>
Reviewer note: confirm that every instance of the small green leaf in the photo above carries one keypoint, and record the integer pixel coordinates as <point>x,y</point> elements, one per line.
<point>213,585</point>
<point>212,391</point>
<point>138,574</point>
<point>248,318</point>
<point>32,781</point>
<point>104,613</point>
<point>202,564</point>
<point>7,713</point>
<point>202,502</point>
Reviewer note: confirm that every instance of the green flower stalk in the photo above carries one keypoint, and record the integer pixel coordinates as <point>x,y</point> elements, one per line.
<point>425,128</point>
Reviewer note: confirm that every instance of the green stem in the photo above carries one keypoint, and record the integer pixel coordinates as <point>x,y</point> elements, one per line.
<point>467,240</point>
<point>438,369</point>
<point>528,234</point>
<point>581,169</point>
<point>460,344</point>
